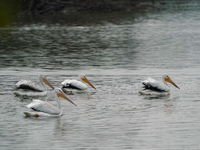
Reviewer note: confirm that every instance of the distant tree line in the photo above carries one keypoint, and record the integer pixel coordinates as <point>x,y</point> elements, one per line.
<point>45,6</point>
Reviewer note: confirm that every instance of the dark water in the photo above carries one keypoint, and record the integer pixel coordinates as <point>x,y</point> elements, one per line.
<point>116,51</point>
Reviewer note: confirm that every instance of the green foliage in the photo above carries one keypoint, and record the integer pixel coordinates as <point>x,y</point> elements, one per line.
<point>8,10</point>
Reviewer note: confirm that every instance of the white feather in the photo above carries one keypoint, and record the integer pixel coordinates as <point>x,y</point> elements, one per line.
<point>156,84</point>
<point>74,83</point>
<point>44,106</point>
<point>31,84</point>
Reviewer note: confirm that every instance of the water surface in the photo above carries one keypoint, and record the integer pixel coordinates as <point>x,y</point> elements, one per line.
<point>116,51</point>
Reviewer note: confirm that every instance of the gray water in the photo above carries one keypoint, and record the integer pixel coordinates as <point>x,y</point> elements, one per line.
<point>116,51</point>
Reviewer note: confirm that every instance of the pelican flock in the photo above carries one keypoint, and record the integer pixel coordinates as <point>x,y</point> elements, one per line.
<point>154,87</point>
<point>45,109</point>
<point>76,84</point>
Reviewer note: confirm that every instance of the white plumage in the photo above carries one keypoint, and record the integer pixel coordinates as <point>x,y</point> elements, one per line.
<point>75,84</point>
<point>31,88</point>
<point>31,85</point>
<point>151,83</point>
<point>28,84</point>
<point>44,108</point>
<point>154,87</point>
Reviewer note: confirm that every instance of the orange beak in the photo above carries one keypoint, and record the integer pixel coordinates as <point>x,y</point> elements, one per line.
<point>170,81</point>
<point>47,82</point>
<point>63,95</point>
<point>88,82</point>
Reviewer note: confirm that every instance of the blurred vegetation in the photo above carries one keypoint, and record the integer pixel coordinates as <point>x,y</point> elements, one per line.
<point>44,6</point>
<point>11,9</point>
<point>8,11</point>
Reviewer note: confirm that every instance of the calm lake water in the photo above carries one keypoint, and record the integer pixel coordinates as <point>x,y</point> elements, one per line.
<point>116,51</point>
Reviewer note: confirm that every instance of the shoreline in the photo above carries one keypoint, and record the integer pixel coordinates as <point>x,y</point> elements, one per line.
<point>66,6</point>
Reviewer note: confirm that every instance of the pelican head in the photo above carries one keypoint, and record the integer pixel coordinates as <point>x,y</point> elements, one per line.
<point>166,78</point>
<point>84,79</point>
<point>60,93</point>
<point>45,80</point>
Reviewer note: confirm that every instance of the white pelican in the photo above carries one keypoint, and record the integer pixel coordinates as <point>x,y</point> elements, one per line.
<point>75,84</point>
<point>46,109</point>
<point>154,87</point>
<point>32,88</point>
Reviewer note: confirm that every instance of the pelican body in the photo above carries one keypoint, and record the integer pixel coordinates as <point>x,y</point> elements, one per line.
<point>75,84</point>
<point>46,109</point>
<point>31,85</point>
<point>31,88</point>
<point>154,87</point>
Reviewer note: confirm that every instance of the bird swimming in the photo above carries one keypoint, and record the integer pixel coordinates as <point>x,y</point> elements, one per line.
<point>154,87</point>
<point>45,109</point>
<point>76,84</point>
<point>31,88</point>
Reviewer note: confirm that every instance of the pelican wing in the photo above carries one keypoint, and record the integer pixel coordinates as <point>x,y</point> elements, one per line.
<point>75,84</point>
<point>28,84</point>
<point>43,106</point>
<point>154,85</point>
